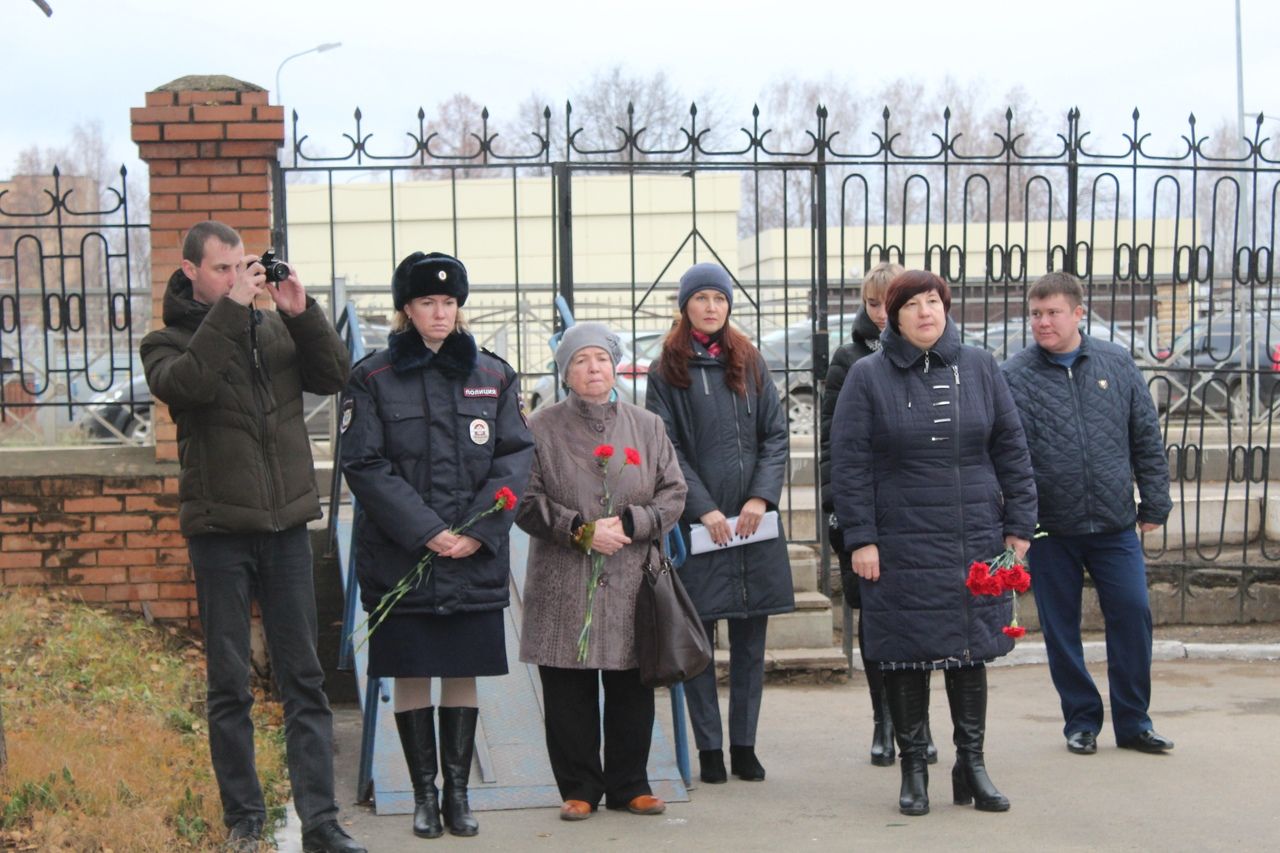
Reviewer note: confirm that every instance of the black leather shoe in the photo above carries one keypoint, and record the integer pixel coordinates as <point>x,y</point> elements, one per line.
<point>328,837</point>
<point>1148,741</point>
<point>244,835</point>
<point>711,766</point>
<point>1082,743</point>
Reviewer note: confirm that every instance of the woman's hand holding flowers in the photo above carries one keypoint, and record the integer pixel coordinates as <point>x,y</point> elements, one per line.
<point>463,546</point>
<point>442,542</point>
<point>609,538</point>
<point>866,562</point>
<point>1018,546</point>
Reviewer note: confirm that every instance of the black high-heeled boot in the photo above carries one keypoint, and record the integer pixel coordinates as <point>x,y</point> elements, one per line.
<point>967,695</point>
<point>930,751</point>
<point>882,752</point>
<point>907,697</point>
<point>418,740</point>
<point>457,747</point>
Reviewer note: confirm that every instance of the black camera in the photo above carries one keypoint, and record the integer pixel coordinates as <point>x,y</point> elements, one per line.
<point>277,271</point>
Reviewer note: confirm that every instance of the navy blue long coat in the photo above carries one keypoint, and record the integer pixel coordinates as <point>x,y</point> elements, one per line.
<point>731,448</point>
<point>930,464</point>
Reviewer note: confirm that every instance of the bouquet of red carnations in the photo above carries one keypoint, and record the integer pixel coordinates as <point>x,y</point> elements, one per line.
<point>1000,575</point>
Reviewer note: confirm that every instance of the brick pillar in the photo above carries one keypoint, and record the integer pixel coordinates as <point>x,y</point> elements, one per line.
<point>209,142</point>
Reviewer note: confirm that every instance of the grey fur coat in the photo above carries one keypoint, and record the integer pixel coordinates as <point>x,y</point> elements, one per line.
<point>566,483</point>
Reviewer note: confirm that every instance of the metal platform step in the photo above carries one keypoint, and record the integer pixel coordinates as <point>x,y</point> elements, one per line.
<point>512,770</point>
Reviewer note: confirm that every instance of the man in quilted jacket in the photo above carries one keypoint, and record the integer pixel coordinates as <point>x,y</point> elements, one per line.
<point>1093,431</point>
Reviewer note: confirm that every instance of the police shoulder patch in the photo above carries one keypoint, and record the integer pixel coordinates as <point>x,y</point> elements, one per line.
<point>348,412</point>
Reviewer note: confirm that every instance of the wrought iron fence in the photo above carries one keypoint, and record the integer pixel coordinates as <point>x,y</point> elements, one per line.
<point>1174,240</point>
<point>74,303</point>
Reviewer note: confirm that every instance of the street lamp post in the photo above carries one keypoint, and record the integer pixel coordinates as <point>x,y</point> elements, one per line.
<point>320,48</point>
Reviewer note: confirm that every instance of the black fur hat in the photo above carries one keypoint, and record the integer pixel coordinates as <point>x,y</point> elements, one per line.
<point>429,274</point>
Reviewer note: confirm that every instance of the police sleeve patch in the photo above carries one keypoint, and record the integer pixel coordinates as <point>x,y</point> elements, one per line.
<point>348,412</point>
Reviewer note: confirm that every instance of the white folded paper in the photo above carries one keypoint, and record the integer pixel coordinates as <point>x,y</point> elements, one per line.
<point>700,540</point>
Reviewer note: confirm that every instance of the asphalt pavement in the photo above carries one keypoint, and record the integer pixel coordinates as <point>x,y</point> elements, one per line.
<point>1217,790</point>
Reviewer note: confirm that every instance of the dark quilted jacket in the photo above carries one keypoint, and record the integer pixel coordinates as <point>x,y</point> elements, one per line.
<point>427,440</point>
<point>863,341</point>
<point>730,448</point>
<point>930,464</point>
<point>1092,430</point>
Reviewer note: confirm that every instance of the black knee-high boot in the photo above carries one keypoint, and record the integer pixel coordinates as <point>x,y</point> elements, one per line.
<point>930,751</point>
<point>457,747</point>
<point>967,695</point>
<point>882,754</point>
<point>418,739</point>
<point>908,698</point>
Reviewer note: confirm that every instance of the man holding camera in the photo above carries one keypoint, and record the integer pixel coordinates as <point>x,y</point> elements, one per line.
<point>233,378</point>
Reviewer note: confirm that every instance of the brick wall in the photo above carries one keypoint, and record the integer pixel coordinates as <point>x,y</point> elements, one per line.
<point>110,539</point>
<point>209,142</point>
<point>103,522</point>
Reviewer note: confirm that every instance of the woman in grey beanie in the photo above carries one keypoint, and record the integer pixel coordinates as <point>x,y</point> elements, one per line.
<point>711,388</point>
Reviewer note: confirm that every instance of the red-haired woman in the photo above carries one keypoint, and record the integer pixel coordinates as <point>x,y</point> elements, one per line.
<point>713,392</point>
<point>930,473</point>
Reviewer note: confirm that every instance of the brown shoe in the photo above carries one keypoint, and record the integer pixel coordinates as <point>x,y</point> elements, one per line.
<point>646,804</point>
<point>575,810</point>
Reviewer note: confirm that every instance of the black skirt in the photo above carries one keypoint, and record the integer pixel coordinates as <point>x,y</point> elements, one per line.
<point>461,645</point>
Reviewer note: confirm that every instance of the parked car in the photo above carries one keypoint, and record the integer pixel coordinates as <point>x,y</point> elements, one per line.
<point>1233,362</point>
<point>122,413</point>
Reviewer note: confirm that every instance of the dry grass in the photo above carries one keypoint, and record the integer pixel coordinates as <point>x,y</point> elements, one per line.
<point>107,741</point>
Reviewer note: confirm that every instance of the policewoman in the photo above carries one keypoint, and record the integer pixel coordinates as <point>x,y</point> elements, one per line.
<point>431,430</point>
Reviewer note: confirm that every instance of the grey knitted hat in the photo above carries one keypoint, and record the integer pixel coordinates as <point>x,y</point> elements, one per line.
<point>705,277</point>
<point>582,335</point>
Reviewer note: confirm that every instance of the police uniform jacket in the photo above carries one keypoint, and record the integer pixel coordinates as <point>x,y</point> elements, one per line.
<point>428,439</point>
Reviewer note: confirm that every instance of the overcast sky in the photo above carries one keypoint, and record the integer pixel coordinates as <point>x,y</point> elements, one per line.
<point>93,60</point>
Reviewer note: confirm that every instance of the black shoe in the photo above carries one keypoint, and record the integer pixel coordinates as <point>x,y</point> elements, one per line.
<point>417,730</point>
<point>1148,741</point>
<point>457,747</point>
<point>244,835</point>
<point>744,764</point>
<point>328,837</point>
<point>1082,743</point>
<point>711,766</point>
<point>882,751</point>
<point>967,696</point>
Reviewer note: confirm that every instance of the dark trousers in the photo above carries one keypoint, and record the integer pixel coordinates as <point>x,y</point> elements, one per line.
<point>746,687</point>
<point>571,707</point>
<point>230,570</point>
<point>1114,561</point>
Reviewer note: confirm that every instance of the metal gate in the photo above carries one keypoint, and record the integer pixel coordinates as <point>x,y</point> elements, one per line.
<point>1175,247</point>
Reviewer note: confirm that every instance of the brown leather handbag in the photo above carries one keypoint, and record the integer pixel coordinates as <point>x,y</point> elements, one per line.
<point>671,645</point>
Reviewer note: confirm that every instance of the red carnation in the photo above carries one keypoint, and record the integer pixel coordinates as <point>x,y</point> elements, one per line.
<point>980,581</point>
<point>1017,632</point>
<point>633,456</point>
<point>604,452</point>
<point>506,497</point>
<point>1016,579</point>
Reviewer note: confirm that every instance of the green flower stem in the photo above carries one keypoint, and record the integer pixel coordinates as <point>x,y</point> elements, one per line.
<point>415,577</point>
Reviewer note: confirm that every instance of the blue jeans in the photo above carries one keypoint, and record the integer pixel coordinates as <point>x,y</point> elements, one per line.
<point>231,569</point>
<point>1119,572</point>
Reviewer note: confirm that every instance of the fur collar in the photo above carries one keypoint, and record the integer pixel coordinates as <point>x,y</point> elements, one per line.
<point>457,356</point>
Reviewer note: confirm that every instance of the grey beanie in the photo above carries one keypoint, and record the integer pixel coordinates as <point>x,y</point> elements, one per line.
<point>705,277</point>
<point>582,335</point>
